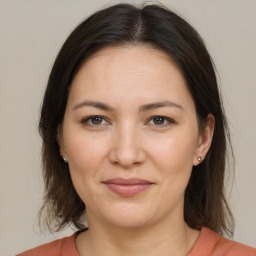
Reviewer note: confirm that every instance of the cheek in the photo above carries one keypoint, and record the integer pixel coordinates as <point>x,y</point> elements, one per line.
<point>174,161</point>
<point>173,158</point>
<point>86,156</point>
<point>85,151</point>
<point>174,154</point>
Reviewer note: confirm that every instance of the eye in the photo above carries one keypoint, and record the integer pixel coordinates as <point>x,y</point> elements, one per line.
<point>94,121</point>
<point>160,121</point>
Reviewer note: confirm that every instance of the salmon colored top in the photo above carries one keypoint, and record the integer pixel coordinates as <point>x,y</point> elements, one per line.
<point>209,243</point>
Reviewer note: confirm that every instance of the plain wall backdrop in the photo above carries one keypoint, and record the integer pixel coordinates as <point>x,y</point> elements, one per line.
<point>31,34</point>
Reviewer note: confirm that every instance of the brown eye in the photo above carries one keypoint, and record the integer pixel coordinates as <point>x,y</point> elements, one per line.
<point>159,120</point>
<point>97,120</point>
<point>94,121</point>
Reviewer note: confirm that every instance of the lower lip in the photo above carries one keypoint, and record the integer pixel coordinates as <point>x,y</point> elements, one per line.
<point>127,189</point>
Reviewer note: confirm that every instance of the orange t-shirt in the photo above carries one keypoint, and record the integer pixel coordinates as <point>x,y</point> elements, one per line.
<point>209,243</point>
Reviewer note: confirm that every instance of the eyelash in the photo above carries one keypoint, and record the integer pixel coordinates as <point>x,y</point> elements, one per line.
<point>88,119</point>
<point>165,119</point>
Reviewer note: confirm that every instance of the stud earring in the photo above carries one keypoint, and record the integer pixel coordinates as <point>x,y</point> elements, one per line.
<point>199,159</point>
<point>65,159</point>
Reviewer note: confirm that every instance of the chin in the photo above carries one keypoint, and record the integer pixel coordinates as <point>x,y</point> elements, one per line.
<point>128,216</point>
<point>129,222</point>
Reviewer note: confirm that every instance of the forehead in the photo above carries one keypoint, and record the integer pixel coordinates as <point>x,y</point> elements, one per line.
<point>136,58</point>
<point>139,52</point>
<point>131,73</point>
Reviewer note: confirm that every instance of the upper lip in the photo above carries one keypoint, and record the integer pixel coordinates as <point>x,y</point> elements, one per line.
<point>127,181</point>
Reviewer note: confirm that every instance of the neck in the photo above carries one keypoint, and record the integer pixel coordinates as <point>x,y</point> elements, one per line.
<point>175,239</point>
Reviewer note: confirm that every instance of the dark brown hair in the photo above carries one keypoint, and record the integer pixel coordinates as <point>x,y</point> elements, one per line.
<point>158,27</point>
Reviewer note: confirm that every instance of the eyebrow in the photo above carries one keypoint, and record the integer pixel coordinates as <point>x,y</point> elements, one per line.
<point>95,104</point>
<point>160,104</point>
<point>142,108</point>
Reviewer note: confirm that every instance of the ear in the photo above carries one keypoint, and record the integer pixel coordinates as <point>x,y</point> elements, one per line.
<point>59,139</point>
<point>204,140</point>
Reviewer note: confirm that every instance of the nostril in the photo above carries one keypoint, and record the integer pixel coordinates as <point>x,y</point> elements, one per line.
<point>127,158</point>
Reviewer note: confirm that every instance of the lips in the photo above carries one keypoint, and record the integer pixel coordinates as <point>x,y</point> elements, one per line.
<point>127,187</point>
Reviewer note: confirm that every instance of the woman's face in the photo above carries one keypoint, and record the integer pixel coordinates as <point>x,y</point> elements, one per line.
<point>130,135</point>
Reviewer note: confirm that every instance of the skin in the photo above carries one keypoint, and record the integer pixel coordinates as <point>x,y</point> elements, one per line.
<point>128,141</point>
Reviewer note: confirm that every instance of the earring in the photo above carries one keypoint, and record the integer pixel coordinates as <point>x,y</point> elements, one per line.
<point>65,159</point>
<point>199,159</point>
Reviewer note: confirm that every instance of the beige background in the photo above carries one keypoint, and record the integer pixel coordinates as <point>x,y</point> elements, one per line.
<point>32,32</point>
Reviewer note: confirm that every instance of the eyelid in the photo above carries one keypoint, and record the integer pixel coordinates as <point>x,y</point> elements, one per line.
<point>85,120</point>
<point>170,120</point>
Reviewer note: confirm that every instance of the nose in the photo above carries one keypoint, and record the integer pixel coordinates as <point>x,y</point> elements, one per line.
<point>127,148</point>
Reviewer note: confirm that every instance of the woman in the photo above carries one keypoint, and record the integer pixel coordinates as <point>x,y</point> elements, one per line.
<point>135,136</point>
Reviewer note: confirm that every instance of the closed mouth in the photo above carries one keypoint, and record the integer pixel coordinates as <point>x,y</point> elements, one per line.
<point>127,187</point>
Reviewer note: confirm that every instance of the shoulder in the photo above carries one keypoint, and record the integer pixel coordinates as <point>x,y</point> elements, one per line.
<point>60,247</point>
<point>210,243</point>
